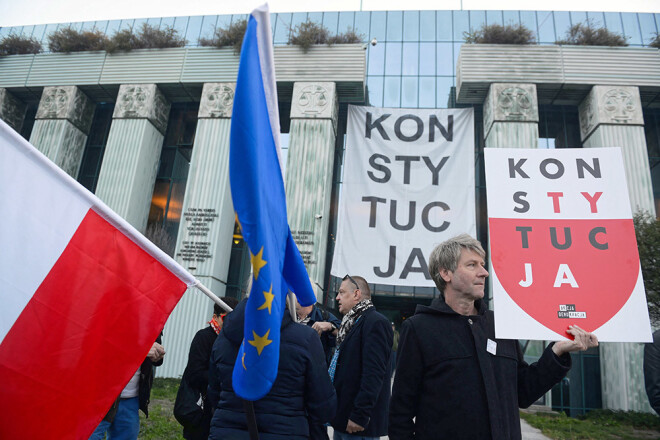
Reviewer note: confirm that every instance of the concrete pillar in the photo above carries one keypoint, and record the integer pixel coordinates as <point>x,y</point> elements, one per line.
<point>12,111</point>
<point>61,127</point>
<point>511,116</point>
<point>308,180</point>
<point>128,172</point>
<point>205,233</point>
<point>611,116</point>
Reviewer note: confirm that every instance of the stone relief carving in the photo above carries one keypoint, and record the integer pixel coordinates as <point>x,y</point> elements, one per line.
<point>66,102</point>
<point>217,100</point>
<point>610,105</point>
<point>314,100</point>
<point>510,103</point>
<point>142,101</point>
<point>12,111</point>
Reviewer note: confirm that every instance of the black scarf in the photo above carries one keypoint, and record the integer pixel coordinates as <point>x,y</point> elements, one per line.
<point>351,318</point>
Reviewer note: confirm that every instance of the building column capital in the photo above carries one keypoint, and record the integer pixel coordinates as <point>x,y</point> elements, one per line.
<point>12,110</point>
<point>510,102</point>
<point>217,101</point>
<point>610,105</point>
<point>68,103</point>
<point>142,101</point>
<point>315,100</point>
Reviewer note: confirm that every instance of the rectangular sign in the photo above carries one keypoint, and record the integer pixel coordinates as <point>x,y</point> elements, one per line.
<point>562,244</point>
<point>408,184</point>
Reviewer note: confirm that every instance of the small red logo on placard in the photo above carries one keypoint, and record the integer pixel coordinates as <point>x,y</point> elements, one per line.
<point>564,272</point>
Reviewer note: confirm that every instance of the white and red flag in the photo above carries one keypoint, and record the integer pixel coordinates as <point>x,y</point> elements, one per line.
<point>83,296</point>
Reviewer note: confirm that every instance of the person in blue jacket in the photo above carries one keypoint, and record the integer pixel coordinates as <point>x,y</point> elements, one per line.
<point>302,389</point>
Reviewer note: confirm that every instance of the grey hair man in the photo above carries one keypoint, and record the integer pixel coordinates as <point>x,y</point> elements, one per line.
<point>454,378</point>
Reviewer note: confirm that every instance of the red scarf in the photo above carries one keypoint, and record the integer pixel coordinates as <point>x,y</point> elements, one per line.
<point>215,326</point>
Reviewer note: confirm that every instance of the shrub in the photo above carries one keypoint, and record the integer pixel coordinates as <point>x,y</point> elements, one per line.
<point>309,33</point>
<point>586,34</point>
<point>656,41</point>
<point>15,45</point>
<point>70,40</point>
<point>348,37</point>
<point>231,36</point>
<point>149,37</point>
<point>498,34</point>
<point>647,232</point>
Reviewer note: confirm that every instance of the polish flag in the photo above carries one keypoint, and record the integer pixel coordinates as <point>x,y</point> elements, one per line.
<point>83,296</point>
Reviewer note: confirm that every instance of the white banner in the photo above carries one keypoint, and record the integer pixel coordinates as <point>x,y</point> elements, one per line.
<point>408,185</point>
<point>563,248</point>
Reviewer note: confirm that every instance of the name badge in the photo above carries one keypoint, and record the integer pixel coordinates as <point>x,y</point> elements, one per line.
<point>491,347</point>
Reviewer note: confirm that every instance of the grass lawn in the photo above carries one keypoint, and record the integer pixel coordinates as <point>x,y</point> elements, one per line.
<point>161,424</point>
<point>597,425</point>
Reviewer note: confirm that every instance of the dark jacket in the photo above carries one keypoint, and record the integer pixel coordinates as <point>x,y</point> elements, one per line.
<point>652,371</point>
<point>457,389</point>
<point>328,340</point>
<point>362,377</point>
<point>197,375</point>
<point>302,388</point>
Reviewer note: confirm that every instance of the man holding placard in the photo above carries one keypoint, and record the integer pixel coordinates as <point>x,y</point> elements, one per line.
<point>455,379</point>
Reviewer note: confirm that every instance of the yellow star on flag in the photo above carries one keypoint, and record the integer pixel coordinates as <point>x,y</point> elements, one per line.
<point>243,360</point>
<point>260,341</point>
<point>257,262</point>
<point>268,303</point>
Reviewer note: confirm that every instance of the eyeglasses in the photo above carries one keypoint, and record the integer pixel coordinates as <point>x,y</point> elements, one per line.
<point>350,278</point>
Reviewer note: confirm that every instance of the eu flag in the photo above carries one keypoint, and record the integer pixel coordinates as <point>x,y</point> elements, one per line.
<point>257,191</point>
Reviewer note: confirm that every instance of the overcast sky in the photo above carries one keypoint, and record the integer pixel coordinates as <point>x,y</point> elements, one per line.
<point>23,12</point>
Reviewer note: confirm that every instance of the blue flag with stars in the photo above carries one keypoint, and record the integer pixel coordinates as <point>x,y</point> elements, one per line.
<point>257,191</point>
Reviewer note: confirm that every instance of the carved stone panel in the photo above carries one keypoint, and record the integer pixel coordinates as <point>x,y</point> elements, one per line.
<point>510,103</point>
<point>613,105</point>
<point>142,101</point>
<point>12,111</point>
<point>217,100</point>
<point>315,100</point>
<point>67,102</point>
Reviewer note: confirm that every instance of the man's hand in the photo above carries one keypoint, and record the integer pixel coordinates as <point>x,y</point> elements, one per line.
<point>353,427</point>
<point>583,340</point>
<point>156,352</point>
<point>322,326</point>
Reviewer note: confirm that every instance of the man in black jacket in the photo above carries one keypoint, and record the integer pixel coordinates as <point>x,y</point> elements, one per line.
<point>361,364</point>
<point>652,371</point>
<point>454,379</point>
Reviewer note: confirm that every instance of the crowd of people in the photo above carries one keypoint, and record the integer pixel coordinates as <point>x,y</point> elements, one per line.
<point>454,379</point>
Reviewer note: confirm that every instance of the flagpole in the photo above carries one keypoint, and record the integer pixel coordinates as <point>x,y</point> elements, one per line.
<point>213,296</point>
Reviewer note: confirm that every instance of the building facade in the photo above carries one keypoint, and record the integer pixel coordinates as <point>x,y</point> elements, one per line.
<point>148,132</point>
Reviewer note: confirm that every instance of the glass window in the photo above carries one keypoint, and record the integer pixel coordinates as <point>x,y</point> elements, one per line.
<point>376,59</point>
<point>394,25</point>
<point>377,25</point>
<point>461,24</point>
<point>613,22</point>
<point>181,26</point>
<point>168,22</point>
<point>154,22</point>
<point>27,31</point>
<point>631,28</point>
<point>362,25</point>
<point>95,146</point>
<point>375,90</point>
<point>194,29</point>
<point>44,40</point>
<point>392,91</point>
<point>443,90</point>
<point>562,24</point>
<point>546,27</point>
<point>330,20</point>
<point>411,26</point>
<point>445,58</point>
<point>409,92</point>
<point>298,18</point>
<point>427,26</point>
<point>647,25</point>
<point>38,32</point>
<point>444,26</point>
<point>208,28</point>
<point>494,17</point>
<point>392,58</point>
<point>427,58</point>
<point>282,26</point>
<point>457,51</point>
<point>597,18</point>
<point>87,26</point>
<point>426,92</point>
<point>578,17</point>
<point>410,59</point>
<point>346,22</point>
<point>513,18</point>
<point>528,19</point>
<point>315,17</point>
<point>137,25</point>
<point>7,30</point>
<point>477,20</point>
